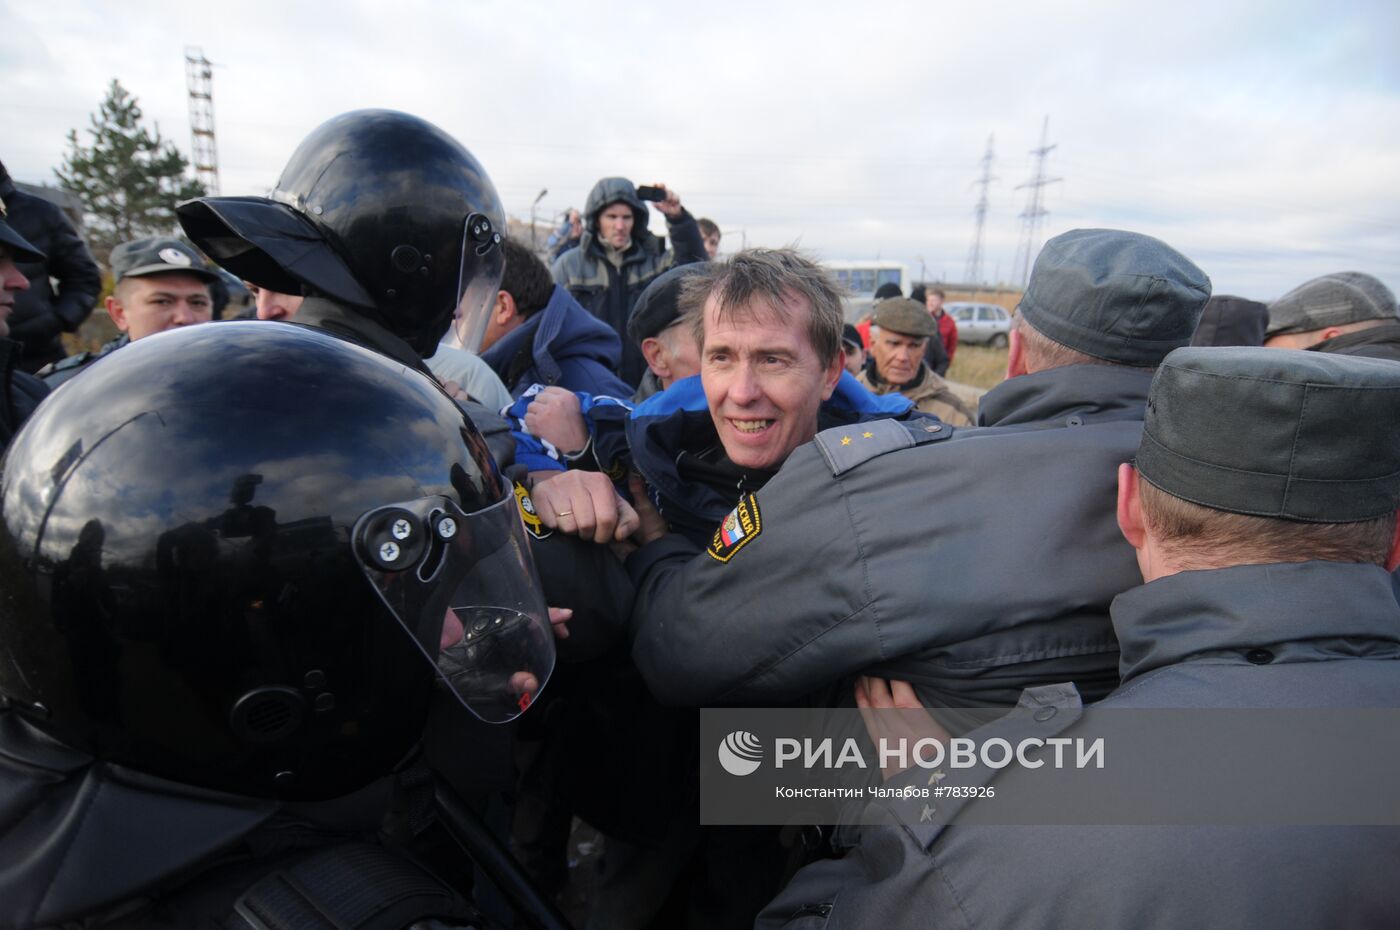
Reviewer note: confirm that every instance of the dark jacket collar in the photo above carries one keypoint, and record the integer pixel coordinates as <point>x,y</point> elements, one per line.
<point>339,320</point>
<point>70,822</point>
<point>1251,606</point>
<point>561,330</point>
<point>1106,392</point>
<point>1375,342</point>
<point>20,392</point>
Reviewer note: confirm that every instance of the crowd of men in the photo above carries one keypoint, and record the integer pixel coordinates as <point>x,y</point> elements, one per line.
<point>732,496</point>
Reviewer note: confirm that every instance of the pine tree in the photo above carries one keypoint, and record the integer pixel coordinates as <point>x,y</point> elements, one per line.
<point>129,179</point>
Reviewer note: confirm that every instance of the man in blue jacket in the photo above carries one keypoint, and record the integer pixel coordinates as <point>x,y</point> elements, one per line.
<point>538,334</point>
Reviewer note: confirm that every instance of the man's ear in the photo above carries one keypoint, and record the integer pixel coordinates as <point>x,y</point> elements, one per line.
<point>505,307</point>
<point>1392,559</point>
<point>658,359</point>
<point>1130,522</point>
<point>833,374</point>
<point>117,312</point>
<point>1016,357</point>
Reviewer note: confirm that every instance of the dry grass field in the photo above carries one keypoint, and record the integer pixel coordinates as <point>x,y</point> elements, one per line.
<point>96,331</point>
<point>978,366</point>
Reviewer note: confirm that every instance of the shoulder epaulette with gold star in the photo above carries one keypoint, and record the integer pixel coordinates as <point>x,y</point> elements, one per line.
<point>845,447</point>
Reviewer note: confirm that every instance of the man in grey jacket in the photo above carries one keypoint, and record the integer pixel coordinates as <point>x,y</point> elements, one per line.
<point>1263,514</point>
<point>1004,580</point>
<point>618,257</point>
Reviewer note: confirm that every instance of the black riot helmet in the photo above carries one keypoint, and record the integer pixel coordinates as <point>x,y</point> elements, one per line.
<point>377,209</point>
<point>244,556</point>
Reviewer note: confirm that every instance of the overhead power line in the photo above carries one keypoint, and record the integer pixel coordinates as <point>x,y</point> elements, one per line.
<point>974,255</point>
<point>1033,217</point>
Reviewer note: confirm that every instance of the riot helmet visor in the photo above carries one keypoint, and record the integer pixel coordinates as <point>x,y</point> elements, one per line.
<point>464,588</point>
<point>478,281</point>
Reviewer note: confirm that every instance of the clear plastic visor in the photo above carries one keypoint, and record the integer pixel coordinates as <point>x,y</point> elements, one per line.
<point>478,282</point>
<point>464,588</point>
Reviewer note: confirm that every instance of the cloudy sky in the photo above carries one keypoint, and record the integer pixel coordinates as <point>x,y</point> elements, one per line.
<point>1261,139</point>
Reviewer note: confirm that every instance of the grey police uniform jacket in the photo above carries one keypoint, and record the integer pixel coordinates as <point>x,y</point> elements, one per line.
<point>1304,635</point>
<point>972,562</point>
<point>66,369</point>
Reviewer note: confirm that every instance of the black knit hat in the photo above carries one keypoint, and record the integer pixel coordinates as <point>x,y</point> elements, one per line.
<point>657,307</point>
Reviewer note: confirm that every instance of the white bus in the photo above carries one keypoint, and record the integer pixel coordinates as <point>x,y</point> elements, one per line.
<point>861,279</point>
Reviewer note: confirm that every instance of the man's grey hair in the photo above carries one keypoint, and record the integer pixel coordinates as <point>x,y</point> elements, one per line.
<point>1043,353</point>
<point>875,331</point>
<point>669,336</point>
<point>772,277</point>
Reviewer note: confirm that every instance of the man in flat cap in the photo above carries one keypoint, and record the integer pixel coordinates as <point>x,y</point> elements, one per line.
<point>899,335</point>
<point>20,392</point>
<point>1262,509</point>
<point>161,283</point>
<point>973,562</point>
<point>1348,313</point>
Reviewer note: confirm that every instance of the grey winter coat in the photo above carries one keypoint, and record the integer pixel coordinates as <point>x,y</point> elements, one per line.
<point>609,292</point>
<point>971,562</point>
<point>1311,634</point>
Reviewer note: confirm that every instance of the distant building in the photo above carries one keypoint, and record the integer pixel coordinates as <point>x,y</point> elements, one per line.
<point>68,203</point>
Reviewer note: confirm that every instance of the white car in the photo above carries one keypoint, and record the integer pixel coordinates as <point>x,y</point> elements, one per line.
<point>982,324</point>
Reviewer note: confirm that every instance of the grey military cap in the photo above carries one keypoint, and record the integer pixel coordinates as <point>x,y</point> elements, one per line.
<point>156,256</point>
<point>1275,433</point>
<point>1119,296</point>
<point>904,316</point>
<point>1331,300</point>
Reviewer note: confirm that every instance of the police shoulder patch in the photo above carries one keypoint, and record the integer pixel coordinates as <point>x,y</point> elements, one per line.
<point>845,447</point>
<point>533,524</point>
<point>740,527</point>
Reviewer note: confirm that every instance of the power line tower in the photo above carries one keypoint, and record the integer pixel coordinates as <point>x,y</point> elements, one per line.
<point>974,255</point>
<point>1034,214</point>
<point>199,79</point>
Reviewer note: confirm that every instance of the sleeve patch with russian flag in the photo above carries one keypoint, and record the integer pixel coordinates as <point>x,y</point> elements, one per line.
<point>740,528</point>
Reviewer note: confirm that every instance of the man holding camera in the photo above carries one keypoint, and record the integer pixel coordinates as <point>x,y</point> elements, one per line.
<point>618,256</point>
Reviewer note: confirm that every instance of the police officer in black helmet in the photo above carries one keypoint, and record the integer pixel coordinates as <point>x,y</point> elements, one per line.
<point>224,620</point>
<point>392,229</point>
<point>386,224</point>
<point>225,616</point>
